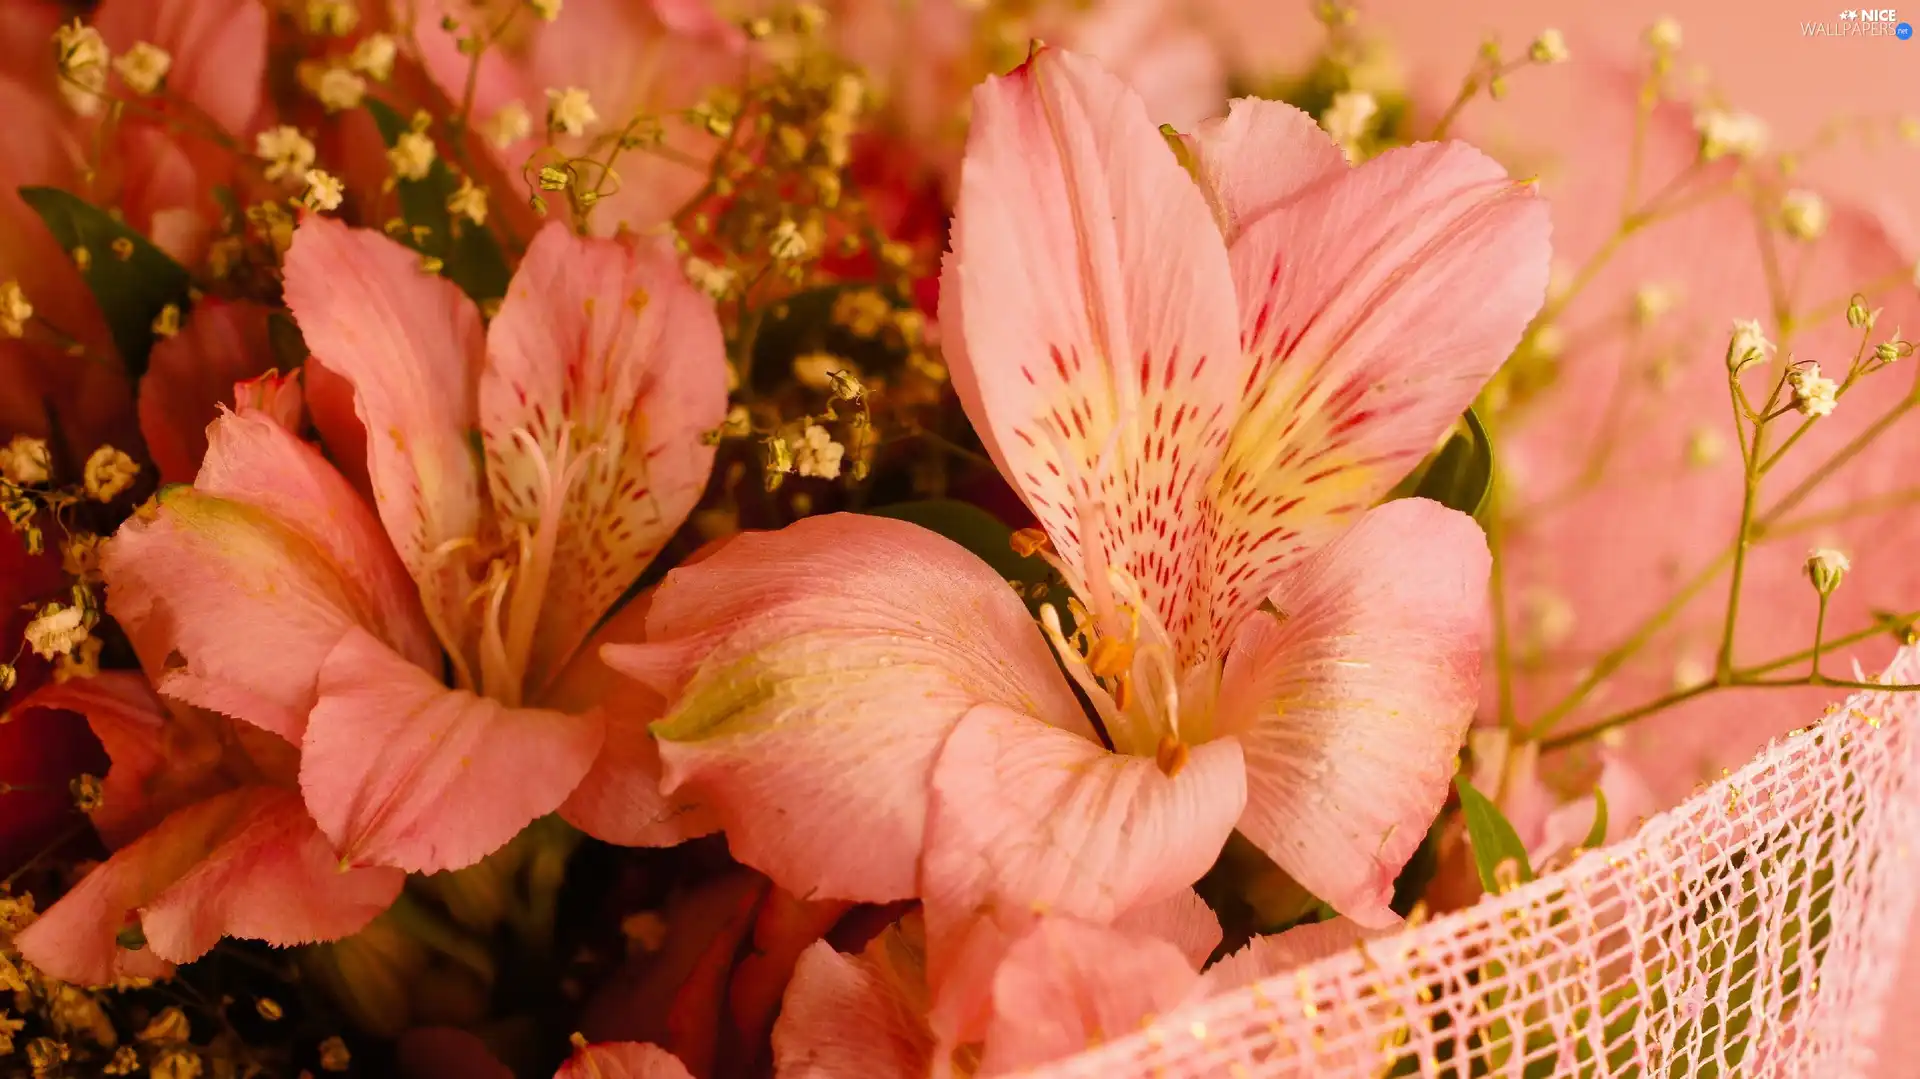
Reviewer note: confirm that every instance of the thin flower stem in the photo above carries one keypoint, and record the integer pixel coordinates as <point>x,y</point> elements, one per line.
<point>1740,679</point>
<point>1819,633</point>
<point>1625,650</point>
<point>1743,538</point>
<point>1502,635</point>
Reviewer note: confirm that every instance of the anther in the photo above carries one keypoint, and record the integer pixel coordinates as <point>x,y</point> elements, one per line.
<point>1172,755</point>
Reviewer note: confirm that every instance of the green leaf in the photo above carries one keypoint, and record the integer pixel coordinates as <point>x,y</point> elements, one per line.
<point>982,533</point>
<point>470,253</point>
<point>1597,835</point>
<point>131,291</point>
<point>1461,475</point>
<point>1490,835</point>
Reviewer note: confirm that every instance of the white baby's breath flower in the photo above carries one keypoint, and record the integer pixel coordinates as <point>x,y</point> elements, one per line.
<point>107,473</point>
<point>14,310</point>
<point>334,18</point>
<point>412,155</point>
<point>715,281</point>
<point>817,454</point>
<point>82,56</point>
<point>373,57</point>
<point>1803,214</point>
<point>787,243</point>
<point>509,125</point>
<point>143,66</point>
<point>1664,34</point>
<point>1724,133</point>
<point>1348,119</point>
<point>1813,395</point>
<point>1747,346</point>
<point>1825,567</point>
<point>339,88</point>
<point>286,151</point>
<point>324,191</point>
<point>26,461</point>
<point>1549,48</point>
<point>55,630</point>
<point>1650,301</point>
<point>570,110</point>
<point>469,202</point>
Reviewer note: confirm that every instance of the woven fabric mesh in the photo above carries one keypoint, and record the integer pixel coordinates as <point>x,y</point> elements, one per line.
<point>1753,930</point>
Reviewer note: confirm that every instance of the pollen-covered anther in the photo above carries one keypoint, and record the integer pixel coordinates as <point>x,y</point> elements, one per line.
<point>1172,755</point>
<point>1110,657</point>
<point>1028,542</point>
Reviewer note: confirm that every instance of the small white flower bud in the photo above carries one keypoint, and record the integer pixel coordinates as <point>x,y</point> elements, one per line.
<point>1825,568</point>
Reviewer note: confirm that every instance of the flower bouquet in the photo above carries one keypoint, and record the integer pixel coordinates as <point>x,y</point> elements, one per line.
<point>644,538</point>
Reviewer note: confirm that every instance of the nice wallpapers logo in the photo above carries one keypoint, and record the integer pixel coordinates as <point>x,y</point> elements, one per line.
<point>1861,22</point>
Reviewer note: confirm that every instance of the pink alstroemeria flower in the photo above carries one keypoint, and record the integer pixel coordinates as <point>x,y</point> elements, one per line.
<point>1064,987</point>
<point>210,839</point>
<point>523,476</point>
<point>1202,384</point>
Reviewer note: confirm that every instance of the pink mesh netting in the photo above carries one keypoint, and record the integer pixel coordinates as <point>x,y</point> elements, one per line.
<point>1752,930</point>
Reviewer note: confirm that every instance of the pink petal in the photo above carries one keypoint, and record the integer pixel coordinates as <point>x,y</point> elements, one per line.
<point>1184,921</point>
<point>1256,158</point>
<point>1027,815</point>
<point>1088,295</point>
<point>241,605</point>
<point>411,345</point>
<point>1070,985</point>
<point>855,1017</point>
<point>604,367</point>
<point>158,764</point>
<point>190,375</point>
<point>219,50</point>
<point>1374,305</point>
<point>400,770</point>
<point>237,588</point>
<point>1027,818</point>
<point>278,397</point>
<point>785,928</point>
<point>1351,705</point>
<point>248,863</point>
<point>619,801</point>
<point>622,1060</point>
<point>1276,953</point>
<point>838,654</point>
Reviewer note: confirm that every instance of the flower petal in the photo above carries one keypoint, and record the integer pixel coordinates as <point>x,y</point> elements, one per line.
<point>1027,815</point>
<point>235,590</point>
<point>838,653</point>
<point>604,368</point>
<point>1374,305</point>
<point>1352,703</point>
<point>1069,985</point>
<point>1028,818</point>
<point>190,375</point>
<point>400,770</point>
<point>1276,953</point>
<point>1183,920</point>
<point>853,1017</point>
<point>157,765</point>
<point>1092,302</point>
<point>411,345</point>
<point>1257,157</point>
<point>622,1060</point>
<point>248,863</point>
<point>219,50</point>
<point>254,458</point>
